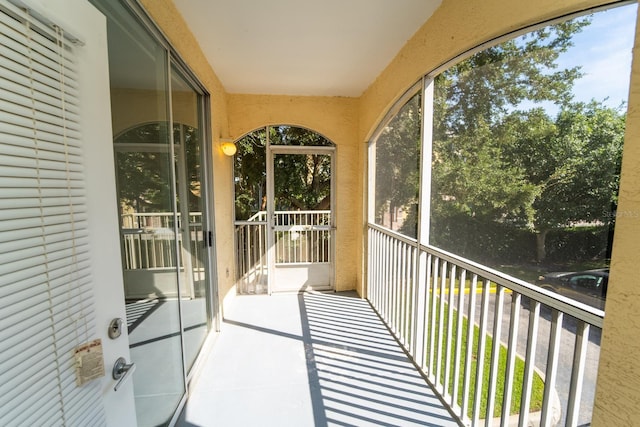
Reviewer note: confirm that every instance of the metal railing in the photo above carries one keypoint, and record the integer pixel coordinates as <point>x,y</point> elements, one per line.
<point>300,237</point>
<point>251,254</point>
<point>476,334</point>
<point>149,241</point>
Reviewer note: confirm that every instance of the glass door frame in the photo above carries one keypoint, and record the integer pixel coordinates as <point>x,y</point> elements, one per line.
<point>272,151</point>
<point>176,65</point>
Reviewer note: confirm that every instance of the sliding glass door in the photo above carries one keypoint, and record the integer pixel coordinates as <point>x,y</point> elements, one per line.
<point>158,116</point>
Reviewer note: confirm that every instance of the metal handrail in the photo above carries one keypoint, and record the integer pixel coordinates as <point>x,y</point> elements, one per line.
<point>579,310</point>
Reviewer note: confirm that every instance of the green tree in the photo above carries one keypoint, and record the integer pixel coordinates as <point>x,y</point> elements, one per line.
<point>495,162</point>
<point>398,167</point>
<point>144,175</point>
<point>250,175</point>
<point>471,100</point>
<point>573,162</point>
<point>302,182</point>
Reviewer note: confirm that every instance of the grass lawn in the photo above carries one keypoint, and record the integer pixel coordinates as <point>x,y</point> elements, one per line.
<point>538,384</point>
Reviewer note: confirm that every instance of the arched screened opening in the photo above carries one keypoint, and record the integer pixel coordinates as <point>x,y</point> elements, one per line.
<point>395,174</point>
<point>284,192</point>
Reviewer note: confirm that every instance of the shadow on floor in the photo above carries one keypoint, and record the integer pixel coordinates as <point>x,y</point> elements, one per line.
<point>334,365</point>
<point>358,375</point>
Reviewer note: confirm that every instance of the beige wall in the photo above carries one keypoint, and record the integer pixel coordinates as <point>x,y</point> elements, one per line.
<point>455,27</point>
<point>335,118</point>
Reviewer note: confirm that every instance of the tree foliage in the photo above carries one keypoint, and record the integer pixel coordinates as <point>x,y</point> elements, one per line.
<point>250,175</point>
<point>301,181</point>
<point>144,175</point>
<point>398,169</point>
<point>500,159</point>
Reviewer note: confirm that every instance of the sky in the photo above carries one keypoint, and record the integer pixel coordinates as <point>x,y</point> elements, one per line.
<point>603,49</point>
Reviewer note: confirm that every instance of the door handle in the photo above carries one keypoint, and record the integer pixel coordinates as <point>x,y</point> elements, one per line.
<point>122,371</point>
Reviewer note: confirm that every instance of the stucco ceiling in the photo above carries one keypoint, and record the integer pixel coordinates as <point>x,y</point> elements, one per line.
<point>302,47</point>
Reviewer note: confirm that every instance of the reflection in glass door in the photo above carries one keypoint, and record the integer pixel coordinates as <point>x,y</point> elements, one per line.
<point>148,236</point>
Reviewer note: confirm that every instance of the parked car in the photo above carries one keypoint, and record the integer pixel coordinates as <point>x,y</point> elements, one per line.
<point>589,287</point>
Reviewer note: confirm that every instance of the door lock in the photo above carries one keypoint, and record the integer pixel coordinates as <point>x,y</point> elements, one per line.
<point>115,328</point>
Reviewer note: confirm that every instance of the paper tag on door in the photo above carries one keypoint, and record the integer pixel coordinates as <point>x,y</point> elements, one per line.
<point>89,362</point>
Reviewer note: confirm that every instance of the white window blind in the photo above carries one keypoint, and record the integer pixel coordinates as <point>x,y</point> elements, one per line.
<point>46,294</point>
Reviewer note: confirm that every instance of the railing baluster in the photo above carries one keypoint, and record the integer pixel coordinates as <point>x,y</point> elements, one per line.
<point>387,278</point>
<point>466,388</point>
<point>441,320</point>
<point>248,259</point>
<point>392,284</point>
<point>401,281</point>
<point>418,307</point>
<point>514,321</point>
<point>412,274</point>
<point>552,367</point>
<point>449,335</point>
<point>481,350</point>
<point>529,365</point>
<point>432,329</point>
<point>376,264</point>
<point>404,289</point>
<point>495,353</point>
<point>397,289</point>
<point>458,346</point>
<point>425,324</point>
<point>394,291</point>
<point>369,291</point>
<point>577,374</point>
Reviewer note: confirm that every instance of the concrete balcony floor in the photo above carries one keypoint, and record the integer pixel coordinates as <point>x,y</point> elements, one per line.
<point>312,359</point>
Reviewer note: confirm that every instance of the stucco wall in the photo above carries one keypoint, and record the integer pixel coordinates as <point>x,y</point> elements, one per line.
<point>618,387</point>
<point>335,118</point>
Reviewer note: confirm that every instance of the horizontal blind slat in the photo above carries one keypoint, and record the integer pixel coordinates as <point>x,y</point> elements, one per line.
<point>37,86</point>
<point>20,325</point>
<point>42,76</point>
<point>17,136</point>
<point>12,235</point>
<point>53,117</point>
<point>43,45</point>
<point>45,128</point>
<point>22,193</point>
<point>40,98</point>
<point>25,203</point>
<point>18,147</point>
<point>54,139</point>
<point>20,53</point>
<point>56,223</point>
